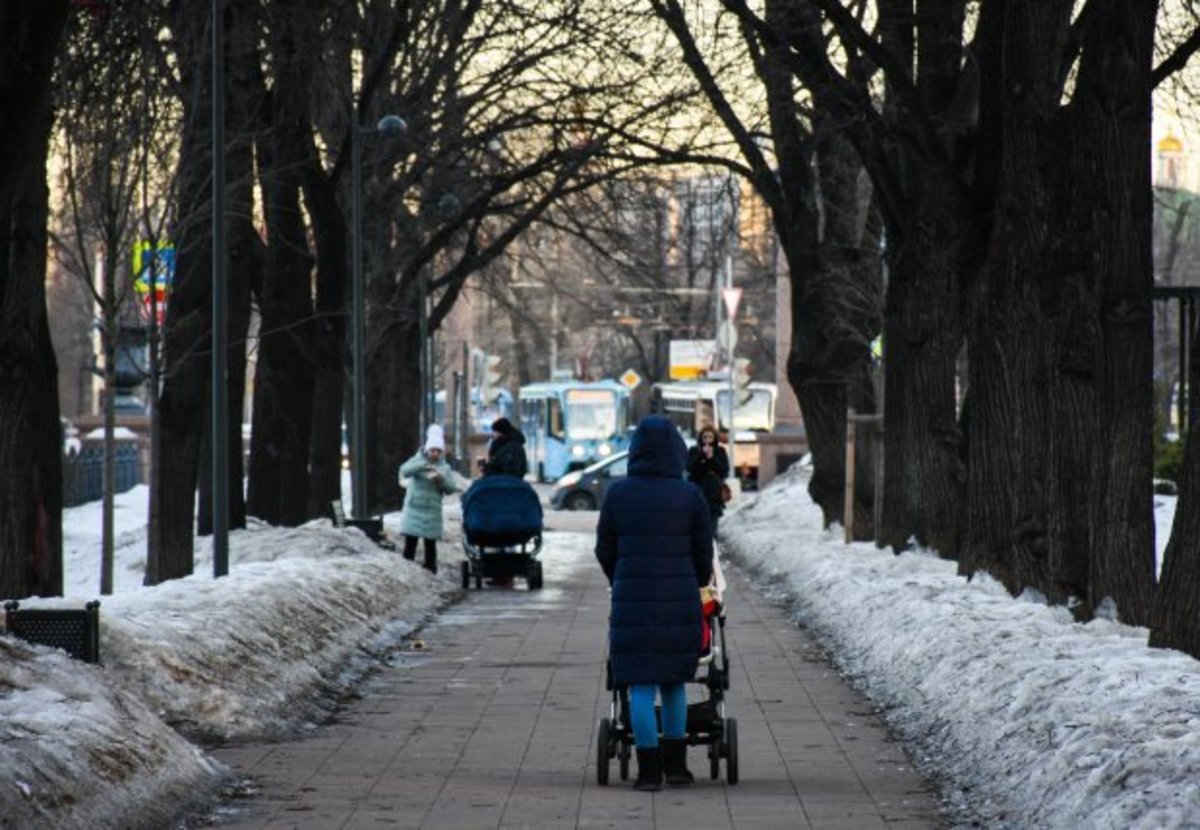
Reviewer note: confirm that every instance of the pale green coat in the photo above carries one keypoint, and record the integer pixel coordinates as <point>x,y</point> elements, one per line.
<point>423,497</point>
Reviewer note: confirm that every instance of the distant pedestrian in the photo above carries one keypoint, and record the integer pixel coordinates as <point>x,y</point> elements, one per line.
<point>707,468</point>
<point>654,542</point>
<point>426,478</point>
<point>506,452</point>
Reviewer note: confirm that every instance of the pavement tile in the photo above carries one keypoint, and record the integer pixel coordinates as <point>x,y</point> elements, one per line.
<point>493,724</point>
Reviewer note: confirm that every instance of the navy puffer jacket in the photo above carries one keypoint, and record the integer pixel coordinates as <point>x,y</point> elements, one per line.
<point>654,542</point>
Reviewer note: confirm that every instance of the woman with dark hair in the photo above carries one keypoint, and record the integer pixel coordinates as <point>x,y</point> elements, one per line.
<point>654,544</point>
<point>707,468</point>
<point>506,452</point>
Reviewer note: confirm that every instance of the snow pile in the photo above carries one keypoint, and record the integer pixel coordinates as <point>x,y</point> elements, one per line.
<point>77,750</point>
<point>1029,718</point>
<point>260,652</point>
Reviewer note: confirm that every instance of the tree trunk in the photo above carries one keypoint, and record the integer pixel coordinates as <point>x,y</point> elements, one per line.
<point>393,400</point>
<point>244,98</point>
<point>850,283</point>
<point>924,475</point>
<point>283,383</point>
<point>1177,624</point>
<point>1116,72</point>
<point>329,340</point>
<point>31,449</point>
<point>188,330</point>
<point>30,429</point>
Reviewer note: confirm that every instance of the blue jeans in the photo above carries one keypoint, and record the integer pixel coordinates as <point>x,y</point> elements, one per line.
<point>641,713</point>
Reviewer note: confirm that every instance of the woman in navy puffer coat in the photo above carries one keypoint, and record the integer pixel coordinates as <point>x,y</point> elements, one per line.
<point>654,542</point>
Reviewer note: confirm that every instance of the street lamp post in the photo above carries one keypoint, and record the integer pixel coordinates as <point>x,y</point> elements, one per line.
<point>220,391</point>
<point>388,125</point>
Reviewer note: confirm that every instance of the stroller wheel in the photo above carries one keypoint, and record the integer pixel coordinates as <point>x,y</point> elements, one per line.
<point>533,577</point>
<point>714,760</point>
<point>623,754</point>
<point>731,751</point>
<point>466,575</point>
<point>603,748</point>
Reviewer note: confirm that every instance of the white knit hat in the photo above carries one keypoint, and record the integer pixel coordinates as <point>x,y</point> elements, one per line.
<point>434,439</point>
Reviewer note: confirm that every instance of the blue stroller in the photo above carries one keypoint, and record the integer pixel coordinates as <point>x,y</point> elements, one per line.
<point>502,531</point>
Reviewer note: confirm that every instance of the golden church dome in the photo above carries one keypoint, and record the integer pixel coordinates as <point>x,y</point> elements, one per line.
<point>1170,144</point>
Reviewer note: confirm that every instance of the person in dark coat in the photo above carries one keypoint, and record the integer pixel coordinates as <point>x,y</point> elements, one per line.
<point>654,543</point>
<point>506,457</point>
<point>506,453</point>
<point>707,468</point>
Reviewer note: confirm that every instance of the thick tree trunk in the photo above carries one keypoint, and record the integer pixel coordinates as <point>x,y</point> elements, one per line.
<point>1117,74</point>
<point>988,426</point>
<point>851,287</point>
<point>329,340</point>
<point>924,475</point>
<point>188,330</point>
<point>30,430</point>
<point>31,449</point>
<point>1015,525</point>
<point>283,387</point>
<point>244,268</point>
<point>817,218</point>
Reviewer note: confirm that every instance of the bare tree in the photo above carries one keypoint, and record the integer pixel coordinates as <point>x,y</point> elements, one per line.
<point>809,182</point>
<point>109,143</point>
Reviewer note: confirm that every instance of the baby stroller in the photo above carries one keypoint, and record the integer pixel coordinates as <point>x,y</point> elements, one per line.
<point>706,720</point>
<point>502,531</point>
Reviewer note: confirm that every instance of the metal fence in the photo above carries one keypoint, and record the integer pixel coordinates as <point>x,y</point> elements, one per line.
<point>83,473</point>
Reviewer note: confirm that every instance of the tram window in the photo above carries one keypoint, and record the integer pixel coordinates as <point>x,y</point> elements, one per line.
<point>555,426</point>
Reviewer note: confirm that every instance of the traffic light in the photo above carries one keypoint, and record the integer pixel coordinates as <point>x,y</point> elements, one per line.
<point>489,383</point>
<point>741,380</point>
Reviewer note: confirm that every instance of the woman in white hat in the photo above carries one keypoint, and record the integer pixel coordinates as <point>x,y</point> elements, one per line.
<point>427,478</point>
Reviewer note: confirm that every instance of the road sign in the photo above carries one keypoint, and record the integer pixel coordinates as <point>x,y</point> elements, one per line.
<point>691,359</point>
<point>153,268</point>
<point>630,379</point>
<point>732,297</point>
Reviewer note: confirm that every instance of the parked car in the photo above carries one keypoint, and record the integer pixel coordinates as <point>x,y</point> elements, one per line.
<point>584,489</point>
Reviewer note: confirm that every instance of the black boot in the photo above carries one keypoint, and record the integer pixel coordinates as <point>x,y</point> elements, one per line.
<point>431,561</point>
<point>649,779</point>
<point>674,762</point>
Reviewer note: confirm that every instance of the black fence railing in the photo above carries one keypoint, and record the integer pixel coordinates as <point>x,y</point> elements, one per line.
<point>83,473</point>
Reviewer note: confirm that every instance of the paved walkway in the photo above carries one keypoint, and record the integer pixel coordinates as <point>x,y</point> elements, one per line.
<point>492,724</point>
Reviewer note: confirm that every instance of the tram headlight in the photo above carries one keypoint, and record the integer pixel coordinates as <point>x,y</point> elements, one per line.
<point>605,450</point>
<point>578,451</point>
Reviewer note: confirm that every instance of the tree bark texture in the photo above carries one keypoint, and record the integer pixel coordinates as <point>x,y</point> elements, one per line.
<point>924,473</point>
<point>31,449</point>
<point>188,330</point>
<point>331,242</point>
<point>1115,115</point>
<point>329,339</point>
<point>244,98</point>
<point>283,387</point>
<point>30,430</point>
<point>816,216</point>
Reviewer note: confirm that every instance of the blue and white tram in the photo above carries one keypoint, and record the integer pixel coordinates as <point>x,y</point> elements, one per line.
<point>569,425</point>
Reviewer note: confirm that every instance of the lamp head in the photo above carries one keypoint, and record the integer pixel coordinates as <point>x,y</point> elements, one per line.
<point>391,125</point>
